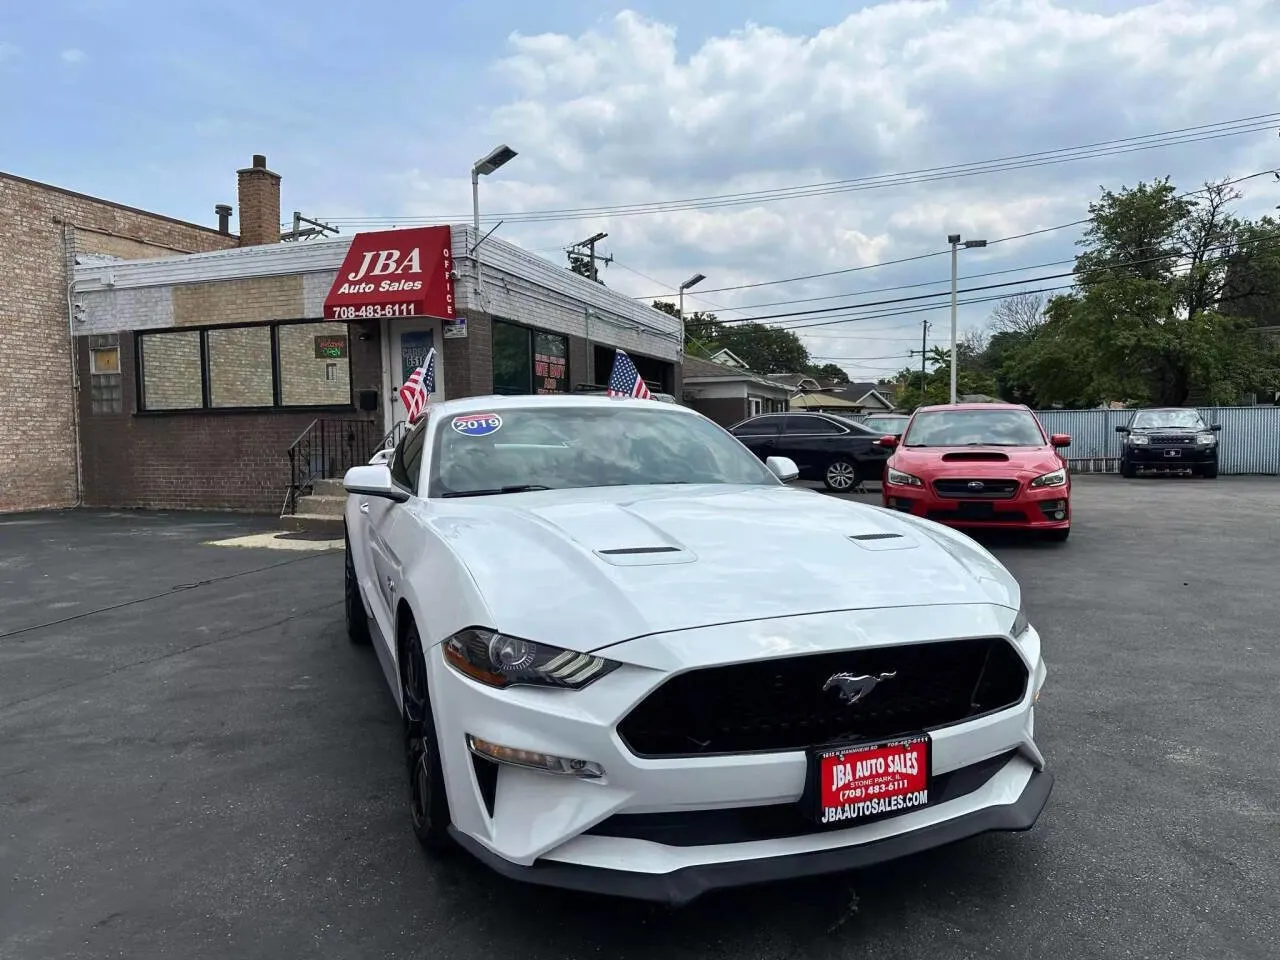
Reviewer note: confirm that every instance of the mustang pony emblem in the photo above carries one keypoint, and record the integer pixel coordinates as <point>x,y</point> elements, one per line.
<point>853,687</point>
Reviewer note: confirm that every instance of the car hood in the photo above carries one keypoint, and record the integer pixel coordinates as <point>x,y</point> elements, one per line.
<point>584,569</point>
<point>1022,463</point>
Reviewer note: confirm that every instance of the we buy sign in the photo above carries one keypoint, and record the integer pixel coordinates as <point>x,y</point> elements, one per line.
<point>395,273</point>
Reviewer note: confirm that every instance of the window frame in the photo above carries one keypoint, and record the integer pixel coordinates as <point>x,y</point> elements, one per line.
<point>837,429</point>
<point>531,332</point>
<point>206,407</point>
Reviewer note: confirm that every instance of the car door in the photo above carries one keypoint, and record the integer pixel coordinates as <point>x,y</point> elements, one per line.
<point>811,441</point>
<point>759,434</point>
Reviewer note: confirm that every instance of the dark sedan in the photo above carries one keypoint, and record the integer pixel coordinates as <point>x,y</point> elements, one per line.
<point>1173,438</point>
<point>825,447</point>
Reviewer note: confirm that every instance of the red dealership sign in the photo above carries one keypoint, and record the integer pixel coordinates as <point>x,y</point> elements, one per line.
<point>395,273</point>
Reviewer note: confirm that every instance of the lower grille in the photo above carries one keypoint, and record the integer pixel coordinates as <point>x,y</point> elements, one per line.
<point>776,821</point>
<point>779,705</point>
<point>976,489</point>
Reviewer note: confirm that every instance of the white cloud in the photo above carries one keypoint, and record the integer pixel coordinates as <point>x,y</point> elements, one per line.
<point>620,115</point>
<point>73,55</point>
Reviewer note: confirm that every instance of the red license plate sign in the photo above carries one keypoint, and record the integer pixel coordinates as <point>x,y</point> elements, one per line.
<point>853,784</point>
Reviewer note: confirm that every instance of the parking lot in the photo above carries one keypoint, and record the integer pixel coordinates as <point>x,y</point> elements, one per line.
<point>195,763</point>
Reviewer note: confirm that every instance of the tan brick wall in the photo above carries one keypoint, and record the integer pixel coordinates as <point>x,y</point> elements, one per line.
<point>171,372</point>
<point>238,301</point>
<point>39,227</point>
<point>240,367</point>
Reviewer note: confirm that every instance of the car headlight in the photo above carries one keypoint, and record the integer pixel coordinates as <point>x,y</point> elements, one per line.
<point>1057,478</point>
<point>1138,440</point>
<point>1020,624</point>
<point>901,479</point>
<point>1206,438</point>
<point>497,660</point>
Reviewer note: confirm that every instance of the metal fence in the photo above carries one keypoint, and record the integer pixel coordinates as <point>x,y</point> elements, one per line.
<point>1249,441</point>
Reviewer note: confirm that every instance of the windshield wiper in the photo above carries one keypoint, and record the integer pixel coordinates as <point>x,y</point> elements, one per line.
<point>513,488</point>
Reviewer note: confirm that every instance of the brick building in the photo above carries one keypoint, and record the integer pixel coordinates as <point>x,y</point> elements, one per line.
<point>225,378</point>
<point>44,230</point>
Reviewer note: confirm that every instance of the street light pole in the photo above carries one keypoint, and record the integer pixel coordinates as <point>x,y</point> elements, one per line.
<point>485,165</point>
<point>954,240</point>
<point>692,281</point>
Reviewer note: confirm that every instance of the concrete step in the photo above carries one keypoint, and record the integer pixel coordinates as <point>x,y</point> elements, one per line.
<point>322,505</point>
<point>328,488</point>
<point>314,523</point>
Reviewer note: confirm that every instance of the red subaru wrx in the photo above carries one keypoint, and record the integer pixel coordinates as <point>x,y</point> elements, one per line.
<point>980,465</point>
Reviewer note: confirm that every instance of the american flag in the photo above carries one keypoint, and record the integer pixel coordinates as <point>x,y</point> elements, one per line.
<point>625,381</point>
<point>417,390</point>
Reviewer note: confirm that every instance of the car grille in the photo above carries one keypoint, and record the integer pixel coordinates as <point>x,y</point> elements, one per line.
<point>1172,438</point>
<point>777,705</point>
<point>990,489</point>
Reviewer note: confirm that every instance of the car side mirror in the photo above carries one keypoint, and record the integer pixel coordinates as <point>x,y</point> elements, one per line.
<point>1216,427</point>
<point>784,468</point>
<point>888,441</point>
<point>1122,429</point>
<point>1060,439</point>
<point>374,480</point>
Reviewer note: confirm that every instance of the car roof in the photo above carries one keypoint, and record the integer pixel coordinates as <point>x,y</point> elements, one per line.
<point>973,406</point>
<point>501,402</point>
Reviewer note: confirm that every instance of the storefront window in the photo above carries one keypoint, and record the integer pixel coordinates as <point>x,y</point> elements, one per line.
<point>169,365</point>
<point>233,367</point>
<point>512,359</point>
<point>550,363</point>
<point>306,350</point>
<point>238,375</point>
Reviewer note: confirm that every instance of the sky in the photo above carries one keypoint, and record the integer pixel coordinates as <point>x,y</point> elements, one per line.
<point>373,114</point>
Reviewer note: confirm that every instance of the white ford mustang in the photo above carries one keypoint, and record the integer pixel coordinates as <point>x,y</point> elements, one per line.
<point>630,659</point>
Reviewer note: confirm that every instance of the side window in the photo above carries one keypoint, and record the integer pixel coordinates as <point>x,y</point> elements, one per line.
<point>811,426</point>
<point>757,427</point>
<point>407,463</point>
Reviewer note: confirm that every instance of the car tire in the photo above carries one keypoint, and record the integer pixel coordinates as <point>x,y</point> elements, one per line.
<point>1058,536</point>
<point>1209,471</point>
<point>841,476</point>
<point>357,616</point>
<point>1127,470</point>
<point>428,801</point>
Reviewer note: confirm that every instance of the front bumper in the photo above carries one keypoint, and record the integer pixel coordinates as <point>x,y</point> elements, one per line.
<point>1029,509</point>
<point>686,883</point>
<point>670,828</point>
<point>1171,457</point>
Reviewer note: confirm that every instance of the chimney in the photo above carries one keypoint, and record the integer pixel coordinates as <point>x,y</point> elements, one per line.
<point>223,210</point>
<point>259,204</point>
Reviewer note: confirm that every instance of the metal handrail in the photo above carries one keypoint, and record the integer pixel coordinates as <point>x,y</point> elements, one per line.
<point>326,449</point>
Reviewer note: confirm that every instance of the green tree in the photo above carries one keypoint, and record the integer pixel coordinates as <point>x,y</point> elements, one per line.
<point>935,387</point>
<point>830,372</point>
<point>701,329</point>
<point>582,267</point>
<point>1149,321</point>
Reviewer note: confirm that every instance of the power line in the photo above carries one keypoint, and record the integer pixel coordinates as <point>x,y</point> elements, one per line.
<point>1192,134</point>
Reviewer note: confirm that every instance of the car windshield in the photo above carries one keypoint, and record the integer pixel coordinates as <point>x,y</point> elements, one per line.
<point>1184,419</point>
<point>968,428</point>
<point>518,449</point>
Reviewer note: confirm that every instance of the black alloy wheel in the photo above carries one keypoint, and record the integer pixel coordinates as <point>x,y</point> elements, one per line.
<point>428,803</point>
<point>841,476</point>
<point>357,616</point>
<point>1127,469</point>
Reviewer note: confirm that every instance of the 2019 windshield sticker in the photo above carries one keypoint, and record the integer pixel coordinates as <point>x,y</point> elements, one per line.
<point>477,424</point>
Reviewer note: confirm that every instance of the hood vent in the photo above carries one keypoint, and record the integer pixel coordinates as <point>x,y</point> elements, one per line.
<point>628,551</point>
<point>883,541</point>
<point>976,456</point>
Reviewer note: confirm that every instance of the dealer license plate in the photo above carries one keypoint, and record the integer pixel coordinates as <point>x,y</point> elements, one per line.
<point>1173,453</point>
<point>855,783</point>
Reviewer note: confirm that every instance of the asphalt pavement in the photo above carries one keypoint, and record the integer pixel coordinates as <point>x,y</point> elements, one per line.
<point>194,763</point>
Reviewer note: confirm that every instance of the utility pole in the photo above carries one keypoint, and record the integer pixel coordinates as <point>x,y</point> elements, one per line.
<point>954,240</point>
<point>590,245</point>
<point>924,347</point>
<point>316,228</point>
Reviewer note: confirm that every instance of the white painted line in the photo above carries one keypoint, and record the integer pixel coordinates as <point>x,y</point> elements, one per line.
<point>276,541</point>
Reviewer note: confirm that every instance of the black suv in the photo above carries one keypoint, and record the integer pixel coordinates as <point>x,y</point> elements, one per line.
<point>825,447</point>
<point>1169,438</point>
